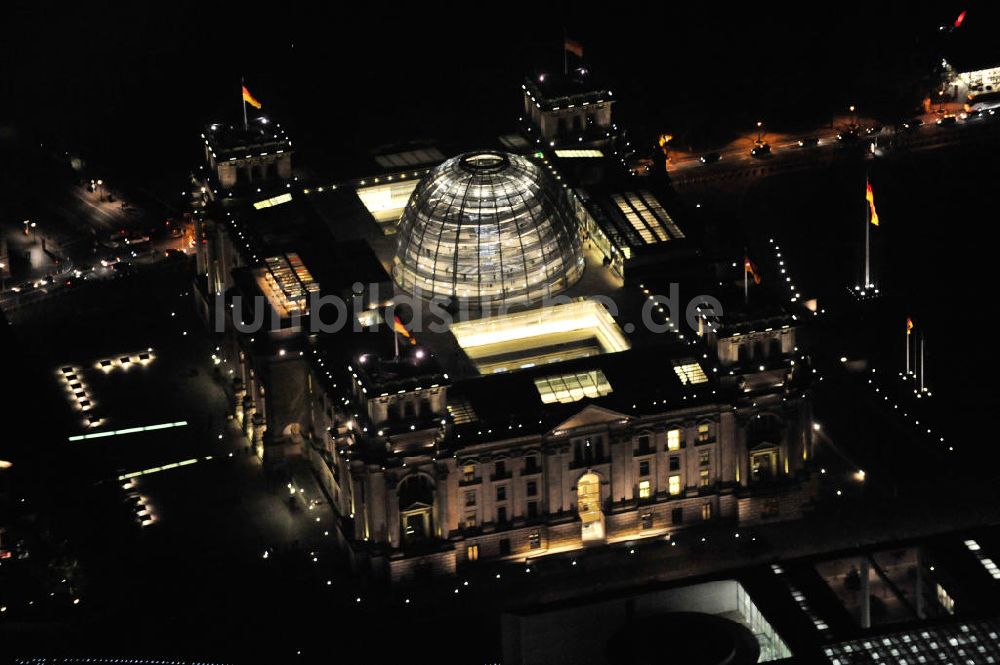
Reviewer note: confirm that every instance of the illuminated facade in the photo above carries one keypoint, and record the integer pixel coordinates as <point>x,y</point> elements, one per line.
<point>552,458</point>
<point>490,227</point>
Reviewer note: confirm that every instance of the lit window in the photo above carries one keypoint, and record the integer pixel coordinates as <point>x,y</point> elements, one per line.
<point>946,600</point>
<point>675,485</point>
<point>704,432</point>
<point>568,388</point>
<point>704,479</point>
<point>470,521</point>
<point>469,472</point>
<point>706,511</point>
<point>704,458</point>
<point>576,154</point>
<point>674,439</point>
<point>534,540</point>
<point>647,521</point>
<point>273,201</point>
<point>472,553</point>
<point>470,498</point>
<point>644,490</point>
<point>690,373</point>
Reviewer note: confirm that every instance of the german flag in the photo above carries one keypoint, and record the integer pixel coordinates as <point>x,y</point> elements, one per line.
<point>397,326</point>
<point>870,197</point>
<point>751,269</point>
<point>909,325</point>
<point>250,99</point>
<point>573,46</point>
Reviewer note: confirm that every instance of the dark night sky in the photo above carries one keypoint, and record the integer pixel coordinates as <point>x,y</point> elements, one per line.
<point>112,80</point>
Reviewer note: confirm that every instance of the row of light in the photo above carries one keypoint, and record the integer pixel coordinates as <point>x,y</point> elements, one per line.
<point>800,599</point>
<point>128,430</point>
<point>75,386</point>
<point>916,421</point>
<point>987,562</point>
<point>142,358</point>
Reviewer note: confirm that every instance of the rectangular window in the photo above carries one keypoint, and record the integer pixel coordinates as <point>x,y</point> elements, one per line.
<point>534,540</point>
<point>504,546</point>
<point>675,463</point>
<point>500,468</point>
<point>706,511</point>
<point>704,432</point>
<point>470,521</point>
<point>704,458</point>
<point>532,488</point>
<point>531,464</point>
<point>675,485</point>
<point>642,447</point>
<point>502,514</point>
<point>470,499</point>
<point>677,516</point>
<point>673,439</point>
<point>704,480</point>
<point>569,388</point>
<point>644,468</point>
<point>945,600</point>
<point>532,510</point>
<point>644,490</point>
<point>469,472</point>
<point>472,553</point>
<point>647,521</point>
<point>502,493</point>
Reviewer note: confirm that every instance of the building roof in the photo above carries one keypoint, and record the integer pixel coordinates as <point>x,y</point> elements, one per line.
<point>554,90</point>
<point>233,141</point>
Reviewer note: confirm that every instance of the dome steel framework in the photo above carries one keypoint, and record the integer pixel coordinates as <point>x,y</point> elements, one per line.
<point>491,227</point>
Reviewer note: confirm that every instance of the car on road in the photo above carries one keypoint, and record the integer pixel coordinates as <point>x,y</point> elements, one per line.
<point>911,125</point>
<point>948,120</point>
<point>848,134</point>
<point>808,142</point>
<point>873,130</point>
<point>760,150</point>
<point>980,114</point>
<point>710,158</point>
<point>123,269</point>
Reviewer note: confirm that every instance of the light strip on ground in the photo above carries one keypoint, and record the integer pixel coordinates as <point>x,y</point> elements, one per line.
<point>130,430</point>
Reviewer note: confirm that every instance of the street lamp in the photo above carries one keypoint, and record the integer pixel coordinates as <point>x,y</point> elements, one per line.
<point>100,195</point>
<point>760,131</point>
<point>854,116</point>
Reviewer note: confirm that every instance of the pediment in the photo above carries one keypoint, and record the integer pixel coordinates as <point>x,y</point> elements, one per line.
<point>590,416</point>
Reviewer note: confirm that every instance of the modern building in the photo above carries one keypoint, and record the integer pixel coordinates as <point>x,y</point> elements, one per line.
<point>489,227</point>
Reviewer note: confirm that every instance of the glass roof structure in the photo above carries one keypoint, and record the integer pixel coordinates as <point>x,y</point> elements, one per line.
<point>491,227</point>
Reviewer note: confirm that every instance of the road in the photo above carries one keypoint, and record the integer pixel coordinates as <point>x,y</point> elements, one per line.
<point>786,153</point>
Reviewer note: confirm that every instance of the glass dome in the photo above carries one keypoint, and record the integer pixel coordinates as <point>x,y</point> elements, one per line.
<point>489,226</point>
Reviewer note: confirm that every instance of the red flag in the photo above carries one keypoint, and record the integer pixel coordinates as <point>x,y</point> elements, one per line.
<point>960,19</point>
<point>870,197</point>
<point>750,268</point>
<point>573,46</point>
<point>250,99</point>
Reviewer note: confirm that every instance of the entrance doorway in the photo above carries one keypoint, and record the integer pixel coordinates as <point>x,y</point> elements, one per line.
<point>588,506</point>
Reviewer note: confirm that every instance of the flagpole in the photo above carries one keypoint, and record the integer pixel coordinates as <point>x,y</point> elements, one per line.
<point>246,124</point>
<point>746,284</point>
<point>923,362</point>
<point>907,349</point>
<point>565,56</point>
<point>868,222</point>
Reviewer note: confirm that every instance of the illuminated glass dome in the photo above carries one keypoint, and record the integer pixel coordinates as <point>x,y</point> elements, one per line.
<point>488,226</point>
